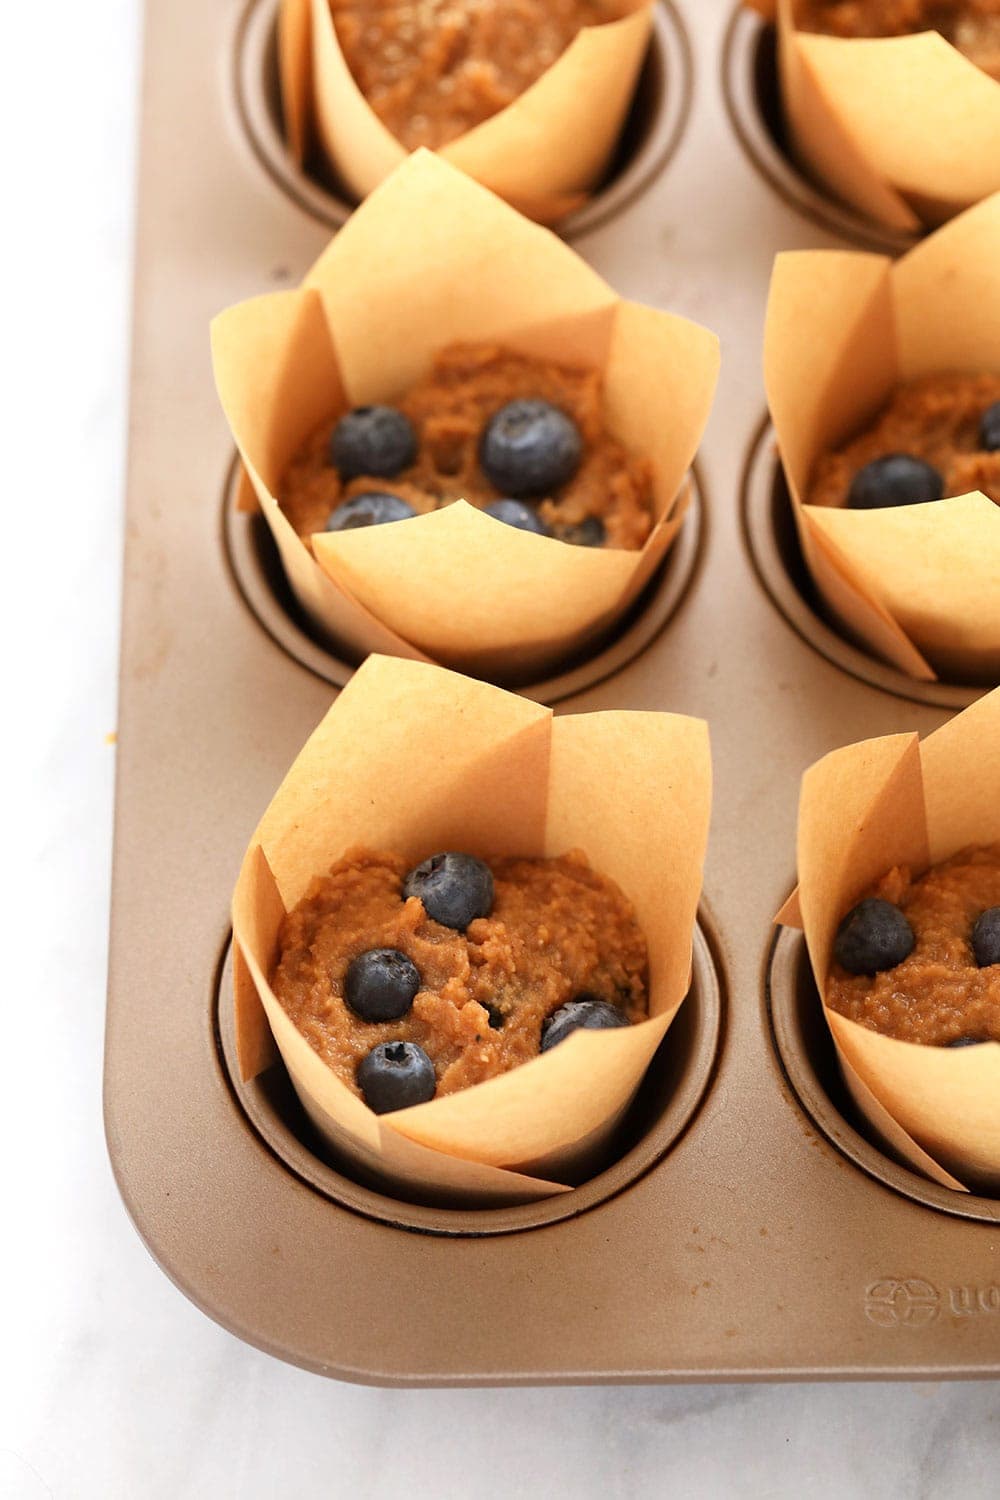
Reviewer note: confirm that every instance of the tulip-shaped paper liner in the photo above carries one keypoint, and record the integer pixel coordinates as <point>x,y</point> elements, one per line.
<point>544,153</point>
<point>905,128</point>
<point>863,810</point>
<point>919,585</point>
<point>416,759</point>
<point>432,259</point>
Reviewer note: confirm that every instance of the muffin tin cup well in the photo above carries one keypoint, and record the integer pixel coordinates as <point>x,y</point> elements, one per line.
<point>753,99</point>
<point>806,1048</point>
<point>662,1110</point>
<point>651,134</point>
<point>260,581</point>
<point>769,529</point>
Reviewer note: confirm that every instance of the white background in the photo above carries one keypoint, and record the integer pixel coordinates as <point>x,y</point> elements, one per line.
<point>112,1384</point>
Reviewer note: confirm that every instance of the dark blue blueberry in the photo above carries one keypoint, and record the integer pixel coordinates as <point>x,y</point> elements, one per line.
<point>455,889</point>
<point>530,448</point>
<point>588,533</point>
<point>986,937</point>
<point>370,509</point>
<point>989,428</point>
<point>965,1041</point>
<point>896,479</point>
<point>516,513</point>
<point>381,985</point>
<point>376,440</point>
<point>586,1013</point>
<point>873,936</point>
<point>396,1075</point>
<point>496,1016</point>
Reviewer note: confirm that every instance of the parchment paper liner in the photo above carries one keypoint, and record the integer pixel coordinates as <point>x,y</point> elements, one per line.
<point>429,259</point>
<point>919,585</point>
<point>544,153</point>
<point>905,128</point>
<point>864,809</point>
<point>414,758</point>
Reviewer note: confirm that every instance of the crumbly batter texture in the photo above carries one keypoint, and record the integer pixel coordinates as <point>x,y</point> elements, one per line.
<point>973,26</point>
<point>449,409</point>
<point>935,418</point>
<point>557,930</point>
<point>938,994</point>
<point>433,69</point>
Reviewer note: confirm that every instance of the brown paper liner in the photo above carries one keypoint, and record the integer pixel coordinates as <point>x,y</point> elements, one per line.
<point>544,153</point>
<point>905,129</point>
<point>864,809</point>
<point>414,758</point>
<point>366,324</point>
<point>919,585</point>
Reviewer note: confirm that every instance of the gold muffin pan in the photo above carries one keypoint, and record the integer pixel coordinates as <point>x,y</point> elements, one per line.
<point>747,1229</point>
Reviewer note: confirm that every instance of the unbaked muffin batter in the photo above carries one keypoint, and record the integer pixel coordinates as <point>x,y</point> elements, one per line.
<point>557,930</point>
<point>449,409</point>
<point>433,69</point>
<point>935,419</point>
<point>939,994</point>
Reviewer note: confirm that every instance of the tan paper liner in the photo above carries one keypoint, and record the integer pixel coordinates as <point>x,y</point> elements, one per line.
<point>431,259</point>
<point>544,153</point>
<point>414,758</point>
<point>864,809</point>
<point>919,585</point>
<point>905,128</point>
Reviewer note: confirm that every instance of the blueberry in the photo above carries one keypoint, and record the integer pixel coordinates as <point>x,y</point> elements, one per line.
<point>588,533</point>
<point>965,1041</point>
<point>585,1012</point>
<point>986,937</point>
<point>989,428</point>
<point>455,889</point>
<point>896,479</point>
<point>496,1016</point>
<point>873,936</point>
<point>395,1075</point>
<point>370,509</point>
<point>380,985</point>
<point>530,448</point>
<point>516,513</point>
<point>376,440</point>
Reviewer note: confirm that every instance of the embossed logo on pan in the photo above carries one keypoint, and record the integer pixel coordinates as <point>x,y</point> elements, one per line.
<point>965,1301</point>
<point>911,1302</point>
<point>905,1302</point>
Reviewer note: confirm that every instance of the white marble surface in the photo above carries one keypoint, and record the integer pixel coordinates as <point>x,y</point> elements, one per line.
<point>112,1384</point>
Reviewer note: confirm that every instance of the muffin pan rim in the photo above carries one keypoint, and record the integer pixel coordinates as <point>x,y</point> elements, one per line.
<point>787,969</point>
<point>642,625</point>
<point>745,35</point>
<point>760,499</point>
<point>653,1144</point>
<point>252,50</point>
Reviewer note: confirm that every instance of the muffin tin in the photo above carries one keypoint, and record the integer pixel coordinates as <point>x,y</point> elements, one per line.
<point>748,1229</point>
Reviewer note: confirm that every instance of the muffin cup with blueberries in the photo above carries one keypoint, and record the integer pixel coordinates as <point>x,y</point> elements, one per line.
<point>531,107</point>
<point>445,356</point>
<point>899,899</point>
<point>466,925</point>
<point>883,380</point>
<point>905,128</point>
